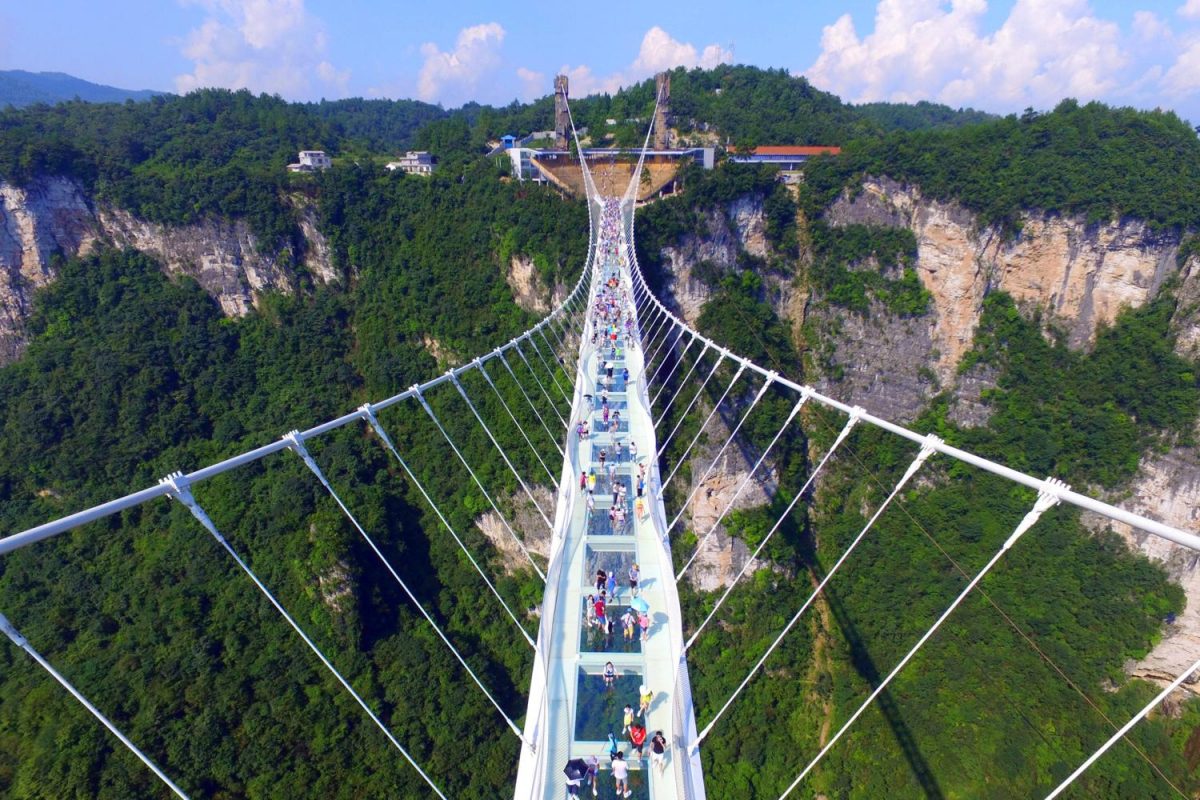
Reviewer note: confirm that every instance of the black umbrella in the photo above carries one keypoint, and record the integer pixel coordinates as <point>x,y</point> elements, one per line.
<point>575,769</point>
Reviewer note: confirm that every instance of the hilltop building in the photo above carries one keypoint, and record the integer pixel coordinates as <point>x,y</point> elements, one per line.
<point>311,161</point>
<point>787,157</point>
<point>414,162</point>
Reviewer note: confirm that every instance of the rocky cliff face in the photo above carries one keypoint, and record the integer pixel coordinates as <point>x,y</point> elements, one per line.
<point>52,217</point>
<point>1082,274</point>
<point>530,292</point>
<point>735,228</point>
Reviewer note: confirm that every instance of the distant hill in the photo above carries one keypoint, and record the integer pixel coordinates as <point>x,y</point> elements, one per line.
<point>19,88</point>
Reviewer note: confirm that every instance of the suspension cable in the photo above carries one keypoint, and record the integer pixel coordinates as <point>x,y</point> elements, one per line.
<point>671,400</point>
<point>707,420</point>
<point>296,444</point>
<point>665,348</point>
<point>713,464</point>
<point>538,380</point>
<point>691,403</point>
<point>1047,499</point>
<point>551,372</point>
<point>23,643</point>
<point>529,400</point>
<point>926,451</point>
<point>670,373</point>
<point>744,482</point>
<point>462,391</point>
<point>1128,726</point>
<point>387,440</point>
<point>521,428</point>
<point>429,410</point>
<point>178,489</point>
<point>854,417</point>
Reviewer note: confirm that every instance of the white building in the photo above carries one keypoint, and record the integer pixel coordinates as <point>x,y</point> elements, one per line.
<point>414,162</point>
<point>311,161</point>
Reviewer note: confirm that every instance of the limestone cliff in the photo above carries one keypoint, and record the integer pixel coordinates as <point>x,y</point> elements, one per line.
<point>530,292</point>
<point>730,230</point>
<point>52,217</point>
<point>1083,275</point>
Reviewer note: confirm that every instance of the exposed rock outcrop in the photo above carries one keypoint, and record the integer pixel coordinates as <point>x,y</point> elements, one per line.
<point>530,292</point>
<point>525,521</point>
<point>1167,488</point>
<point>737,227</point>
<point>53,216</point>
<point>716,483</point>
<point>1082,274</point>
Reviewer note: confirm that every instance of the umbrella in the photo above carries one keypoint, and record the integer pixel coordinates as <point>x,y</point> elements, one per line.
<point>575,769</point>
<point>639,605</point>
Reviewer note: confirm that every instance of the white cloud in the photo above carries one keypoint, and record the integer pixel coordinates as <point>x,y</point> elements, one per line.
<point>533,84</point>
<point>458,75</point>
<point>1189,10</point>
<point>933,50</point>
<point>271,46</point>
<point>658,52</point>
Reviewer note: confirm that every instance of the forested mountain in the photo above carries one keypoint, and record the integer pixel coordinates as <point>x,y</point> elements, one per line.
<point>19,88</point>
<point>131,373</point>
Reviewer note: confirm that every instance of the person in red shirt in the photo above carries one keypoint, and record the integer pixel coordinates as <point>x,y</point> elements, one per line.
<point>600,612</point>
<point>637,737</point>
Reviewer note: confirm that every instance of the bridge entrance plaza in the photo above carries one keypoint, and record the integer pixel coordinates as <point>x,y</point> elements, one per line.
<point>572,708</point>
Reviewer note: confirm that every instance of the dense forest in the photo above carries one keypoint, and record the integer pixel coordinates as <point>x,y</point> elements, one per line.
<point>130,374</point>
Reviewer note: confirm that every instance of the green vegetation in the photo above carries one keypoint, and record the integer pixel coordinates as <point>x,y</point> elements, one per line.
<point>1101,162</point>
<point>980,712</point>
<point>131,375</point>
<point>852,263</point>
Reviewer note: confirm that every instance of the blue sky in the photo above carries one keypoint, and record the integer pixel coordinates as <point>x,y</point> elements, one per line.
<point>1000,55</point>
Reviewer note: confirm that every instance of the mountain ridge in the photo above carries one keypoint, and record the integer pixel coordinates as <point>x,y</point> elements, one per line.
<point>20,88</point>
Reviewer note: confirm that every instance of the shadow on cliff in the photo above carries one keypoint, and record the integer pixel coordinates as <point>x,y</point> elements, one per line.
<point>865,665</point>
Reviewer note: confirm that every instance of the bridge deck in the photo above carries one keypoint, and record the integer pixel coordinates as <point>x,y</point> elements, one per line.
<point>581,710</point>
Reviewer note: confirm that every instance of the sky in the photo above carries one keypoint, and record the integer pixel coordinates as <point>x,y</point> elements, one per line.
<point>997,55</point>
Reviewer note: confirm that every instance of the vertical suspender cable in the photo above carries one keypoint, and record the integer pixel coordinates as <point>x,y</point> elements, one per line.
<point>297,446</point>
<point>926,451</point>
<point>1047,499</point>
<point>429,410</point>
<point>23,643</point>
<point>387,441</point>
<point>179,490</point>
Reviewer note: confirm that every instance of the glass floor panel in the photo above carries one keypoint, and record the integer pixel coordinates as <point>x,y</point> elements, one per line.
<point>637,781</point>
<point>599,709</point>
<point>610,452</point>
<point>599,524</point>
<point>594,640</point>
<point>614,404</point>
<point>619,561</point>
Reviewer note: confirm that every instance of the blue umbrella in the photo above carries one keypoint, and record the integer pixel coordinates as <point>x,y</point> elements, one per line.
<point>639,605</point>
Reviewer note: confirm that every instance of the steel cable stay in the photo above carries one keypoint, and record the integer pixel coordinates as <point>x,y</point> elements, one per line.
<point>529,400</point>
<point>297,446</point>
<point>538,381</point>
<point>178,488</point>
<point>854,417</point>
<point>554,371</point>
<point>1047,498</point>
<point>547,371</point>
<point>744,482</point>
<point>925,452</point>
<point>671,400</point>
<point>516,424</point>
<point>1025,637</point>
<point>21,642</point>
<point>369,414</point>
<point>524,486</point>
<point>691,404</point>
<point>712,464</point>
<point>429,410</point>
<point>670,373</point>
<point>716,406</point>
<point>1124,729</point>
<point>664,348</point>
